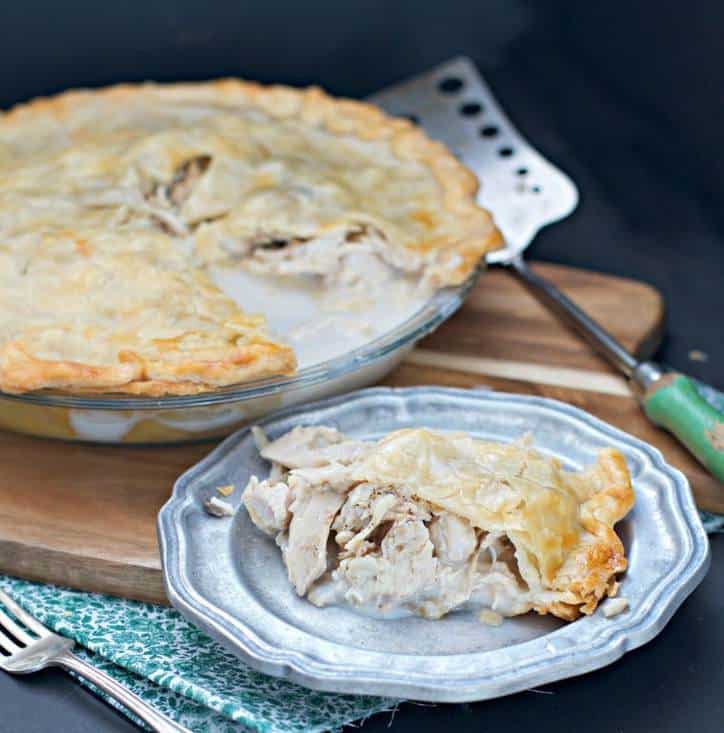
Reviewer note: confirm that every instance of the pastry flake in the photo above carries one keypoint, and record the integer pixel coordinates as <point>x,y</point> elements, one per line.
<point>115,203</point>
<point>427,521</point>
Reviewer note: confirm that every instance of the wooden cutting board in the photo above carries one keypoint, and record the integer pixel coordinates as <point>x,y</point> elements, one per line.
<point>85,516</point>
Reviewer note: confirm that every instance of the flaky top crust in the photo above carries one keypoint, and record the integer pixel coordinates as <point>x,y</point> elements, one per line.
<point>103,290</point>
<point>560,522</point>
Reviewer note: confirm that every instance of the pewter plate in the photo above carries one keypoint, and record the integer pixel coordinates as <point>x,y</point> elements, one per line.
<point>229,579</point>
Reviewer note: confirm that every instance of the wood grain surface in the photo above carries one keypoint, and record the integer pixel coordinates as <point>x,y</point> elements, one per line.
<point>85,515</point>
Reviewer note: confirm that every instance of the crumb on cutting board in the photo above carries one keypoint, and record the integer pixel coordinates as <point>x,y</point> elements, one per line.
<point>226,490</point>
<point>698,355</point>
<point>218,507</point>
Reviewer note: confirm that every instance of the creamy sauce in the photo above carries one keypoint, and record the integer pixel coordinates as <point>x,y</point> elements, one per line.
<point>108,426</point>
<point>111,426</point>
<point>323,322</point>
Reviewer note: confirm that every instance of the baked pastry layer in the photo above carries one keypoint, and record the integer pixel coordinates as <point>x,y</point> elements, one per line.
<point>427,522</point>
<point>114,203</point>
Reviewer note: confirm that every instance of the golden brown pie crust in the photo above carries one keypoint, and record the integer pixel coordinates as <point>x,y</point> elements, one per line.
<point>589,573</point>
<point>561,521</point>
<point>220,345</point>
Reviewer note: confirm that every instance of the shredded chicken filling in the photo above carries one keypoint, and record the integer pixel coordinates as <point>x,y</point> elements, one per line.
<point>380,546</point>
<point>343,254</point>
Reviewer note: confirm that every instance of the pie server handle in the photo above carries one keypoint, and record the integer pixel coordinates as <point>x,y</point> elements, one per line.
<point>694,413</point>
<point>678,403</point>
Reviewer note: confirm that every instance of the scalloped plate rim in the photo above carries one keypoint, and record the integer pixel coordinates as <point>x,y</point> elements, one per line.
<point>316,673</point>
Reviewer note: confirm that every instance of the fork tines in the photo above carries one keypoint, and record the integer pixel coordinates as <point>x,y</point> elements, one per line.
<point>10,629</point>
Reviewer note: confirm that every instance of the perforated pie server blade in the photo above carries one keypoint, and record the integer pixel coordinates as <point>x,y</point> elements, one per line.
<point>525,192</point>
<point>454,105</point>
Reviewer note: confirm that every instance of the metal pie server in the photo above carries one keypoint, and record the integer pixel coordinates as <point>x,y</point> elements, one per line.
<point>525,192</point>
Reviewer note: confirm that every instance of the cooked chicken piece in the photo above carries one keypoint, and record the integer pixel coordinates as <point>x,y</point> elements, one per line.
<point>454,539</point>
<point>403,574</point>
<point>356,513</point>
<point>404,566</point>
<point>218,507</point>
<point>307,447</point>
<point>379,510</point>
<point>613,606</point>
<point>338,255</point>
<point>336,475</point>
<point>260,438</point>
<point>319,256</point>
<point>451,589</point>
<point>367,508</point>
<point>268,504</point>
<point>425,523</point>
<point>305,554</point>
<point>498,589</point>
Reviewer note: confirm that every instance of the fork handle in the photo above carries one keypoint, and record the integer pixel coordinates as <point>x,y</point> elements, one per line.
<point>154,719</point>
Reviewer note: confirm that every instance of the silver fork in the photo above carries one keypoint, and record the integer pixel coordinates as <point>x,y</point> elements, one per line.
<point>27,646</point>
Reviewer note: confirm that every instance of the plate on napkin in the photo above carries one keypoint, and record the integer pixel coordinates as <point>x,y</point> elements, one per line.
<point>229,579</point>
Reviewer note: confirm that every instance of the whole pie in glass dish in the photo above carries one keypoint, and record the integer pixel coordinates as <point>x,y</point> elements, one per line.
<point>116,205</point>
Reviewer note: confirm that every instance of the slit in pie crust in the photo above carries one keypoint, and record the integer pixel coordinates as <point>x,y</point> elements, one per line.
<point>115,204</point>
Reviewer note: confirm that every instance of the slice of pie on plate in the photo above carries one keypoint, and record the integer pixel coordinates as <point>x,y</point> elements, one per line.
<point>426,522</point>
<point>115,205</point>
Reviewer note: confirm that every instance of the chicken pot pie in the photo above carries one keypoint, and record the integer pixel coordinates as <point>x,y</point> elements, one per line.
<point>425,522</point>
<point>115,204</point>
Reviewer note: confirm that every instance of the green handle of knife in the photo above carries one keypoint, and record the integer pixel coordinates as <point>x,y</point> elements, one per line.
<point>674,403</point>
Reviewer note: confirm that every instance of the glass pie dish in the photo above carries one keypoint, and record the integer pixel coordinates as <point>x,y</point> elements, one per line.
<point>110,418</point>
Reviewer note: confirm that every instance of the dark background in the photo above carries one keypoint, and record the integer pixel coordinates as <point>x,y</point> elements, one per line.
<point>627,97</point>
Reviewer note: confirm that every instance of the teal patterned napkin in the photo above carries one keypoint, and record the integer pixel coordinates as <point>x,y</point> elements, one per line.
<point>181,671</point>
